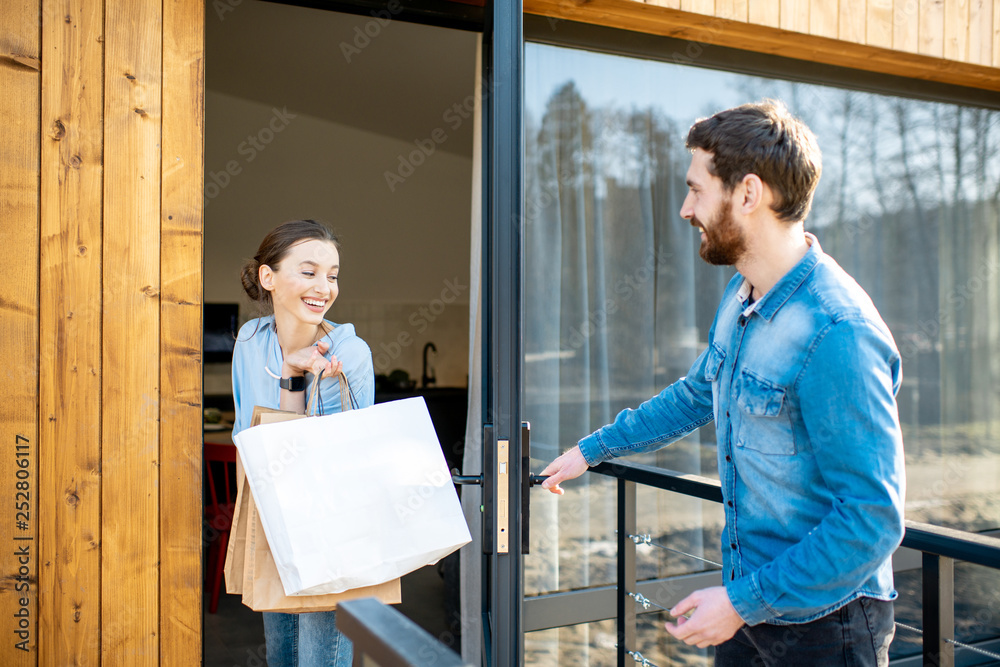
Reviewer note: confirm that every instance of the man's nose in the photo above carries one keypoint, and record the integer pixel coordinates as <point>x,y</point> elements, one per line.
<point>687,212</point>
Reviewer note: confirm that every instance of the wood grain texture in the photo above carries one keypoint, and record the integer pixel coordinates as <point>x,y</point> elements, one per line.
<point>130,409</point>
<point>795,15</point>
<point>181,238</point>
<point>906,25</point>
<point>640,17</point>
<point>765,12</point>
<point>20,80</point>
<point>852,21</point>
<point>706,7</point>
<point>823,18</point>
<point>931,21</point>
<point>878,21</point>
<point>70,322</point>
<point>956,30</point>
<point>672,4</point>
<point>981,32</point>
<point>732,10</point>
<point>996,33</point>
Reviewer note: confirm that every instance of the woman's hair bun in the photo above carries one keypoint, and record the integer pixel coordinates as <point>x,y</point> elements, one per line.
<point>249,278</point>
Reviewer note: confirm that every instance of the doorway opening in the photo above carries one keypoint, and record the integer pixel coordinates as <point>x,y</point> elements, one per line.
<point>364,122</point>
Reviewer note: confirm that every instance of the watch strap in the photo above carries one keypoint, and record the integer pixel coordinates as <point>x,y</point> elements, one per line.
<point>295,383</point>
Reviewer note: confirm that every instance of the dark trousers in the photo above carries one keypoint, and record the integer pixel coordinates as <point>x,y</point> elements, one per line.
<point>856,635</point>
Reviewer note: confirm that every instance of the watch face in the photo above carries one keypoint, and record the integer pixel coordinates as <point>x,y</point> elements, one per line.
<point>293,383</point>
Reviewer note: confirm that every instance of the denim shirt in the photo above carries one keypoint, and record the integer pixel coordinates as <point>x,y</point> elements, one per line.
<point>802,387</point>
<point>257,351</point>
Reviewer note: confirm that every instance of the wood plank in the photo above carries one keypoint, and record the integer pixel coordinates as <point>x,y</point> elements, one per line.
<point>762,39</point>
<point>852,22</point>
<point>956,30</point>
<point>981,32</point>
<point>130,407</point>
<point>906,25</point>
<point>706,7</point>
<point>70,321</point>
<point>795,15</point>
<point>996,34</point>
<point>181,238</point>
<point>20,80</point>
<point>823,18</point>
<point>931,41</point>
<point>879,18</point>
<point>672,4</point>
<point>765,12</point>
<point>732,10</point>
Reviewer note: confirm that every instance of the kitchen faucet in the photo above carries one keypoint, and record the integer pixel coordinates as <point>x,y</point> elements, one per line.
<point>426,379</point>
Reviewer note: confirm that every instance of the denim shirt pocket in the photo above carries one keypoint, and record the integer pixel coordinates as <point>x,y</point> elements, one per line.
<point>765,425</point>
<point>713,363</point>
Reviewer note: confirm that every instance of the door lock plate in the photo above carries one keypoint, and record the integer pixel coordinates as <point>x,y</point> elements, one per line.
<point>503,514</point>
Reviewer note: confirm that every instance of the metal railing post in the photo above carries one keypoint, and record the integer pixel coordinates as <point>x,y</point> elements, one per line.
<point>939,610</point>
<point>626,569</point>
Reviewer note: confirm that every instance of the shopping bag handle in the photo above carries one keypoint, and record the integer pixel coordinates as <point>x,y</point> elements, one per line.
<point>347,400</point>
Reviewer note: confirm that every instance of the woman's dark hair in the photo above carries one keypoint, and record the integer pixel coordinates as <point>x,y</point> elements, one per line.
<point>766,140</point>
<point>273,249</point>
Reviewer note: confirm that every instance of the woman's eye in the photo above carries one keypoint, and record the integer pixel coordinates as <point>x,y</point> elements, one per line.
<point>308,273</point>
<point>332,279</point>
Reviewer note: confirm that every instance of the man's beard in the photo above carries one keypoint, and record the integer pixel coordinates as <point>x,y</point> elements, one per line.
<point>724,241</point>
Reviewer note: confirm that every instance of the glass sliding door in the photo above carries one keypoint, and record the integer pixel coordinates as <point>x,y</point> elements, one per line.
<point>617,305</point>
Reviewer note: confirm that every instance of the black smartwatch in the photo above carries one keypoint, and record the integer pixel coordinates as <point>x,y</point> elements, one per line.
<point>296,383</point>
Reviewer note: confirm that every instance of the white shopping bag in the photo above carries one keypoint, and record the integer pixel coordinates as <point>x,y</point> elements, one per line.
<point>353,499</point>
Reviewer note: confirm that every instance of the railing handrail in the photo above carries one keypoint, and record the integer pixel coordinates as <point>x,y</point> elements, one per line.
<point>936,540</point>
<point>389,638</point>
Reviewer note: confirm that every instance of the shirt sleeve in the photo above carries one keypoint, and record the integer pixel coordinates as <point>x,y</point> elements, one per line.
<point>846,392</point>
<point>673,413</point>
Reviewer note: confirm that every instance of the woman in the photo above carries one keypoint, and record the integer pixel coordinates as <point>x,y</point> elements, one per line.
<point>276,359</point>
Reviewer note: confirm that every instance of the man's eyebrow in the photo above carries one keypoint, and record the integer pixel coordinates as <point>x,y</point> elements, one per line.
<point>690,183</point>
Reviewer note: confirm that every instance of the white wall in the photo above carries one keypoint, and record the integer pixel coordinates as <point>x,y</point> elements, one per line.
<point>405,258</point>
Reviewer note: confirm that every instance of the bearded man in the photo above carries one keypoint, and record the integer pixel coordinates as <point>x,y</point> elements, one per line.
<point>800,376</point>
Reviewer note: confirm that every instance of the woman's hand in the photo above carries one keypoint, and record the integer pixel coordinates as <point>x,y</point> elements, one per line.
<point>311,360</point>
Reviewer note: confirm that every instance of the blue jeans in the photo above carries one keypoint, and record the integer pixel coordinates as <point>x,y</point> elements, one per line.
<point>856,635</point>
<point>305,640</point>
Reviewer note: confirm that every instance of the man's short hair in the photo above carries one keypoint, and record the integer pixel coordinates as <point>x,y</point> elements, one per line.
<point>763,138</point>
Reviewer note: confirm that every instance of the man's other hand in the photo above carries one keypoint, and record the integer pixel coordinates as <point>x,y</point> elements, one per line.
<point>713,622</point>
<point>568,466</point>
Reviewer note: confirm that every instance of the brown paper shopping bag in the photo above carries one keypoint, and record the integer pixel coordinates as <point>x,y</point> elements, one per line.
<point>250,569</point>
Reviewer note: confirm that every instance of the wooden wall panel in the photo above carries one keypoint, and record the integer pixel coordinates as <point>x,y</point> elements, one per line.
<point>733,10</point>
<point>70,388</point>
<point>931,32</point>
<point>823,18</point>
<point>852,22</point>
<point>956,30</point>
<point>765,12</point>
<point>795,15</point>
<point>20,80</point>
<point>906,25</point>
<point>878,23</point>
<point>640,17</point>
<point>180,332</point>
<point>131,400</point>
<point>981,32</point>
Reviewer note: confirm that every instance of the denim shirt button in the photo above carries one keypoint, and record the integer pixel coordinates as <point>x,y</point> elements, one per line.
<point>732,545</point>
<point>729,502</point>
<point>728,458</point>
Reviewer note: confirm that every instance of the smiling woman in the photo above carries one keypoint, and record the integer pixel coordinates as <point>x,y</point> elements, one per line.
<point>293,278</point>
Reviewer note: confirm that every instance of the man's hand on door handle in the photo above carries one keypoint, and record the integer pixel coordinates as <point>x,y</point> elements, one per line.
<point>569,465</point>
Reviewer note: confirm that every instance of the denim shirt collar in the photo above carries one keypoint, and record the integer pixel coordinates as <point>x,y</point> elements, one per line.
<point>776,297</point>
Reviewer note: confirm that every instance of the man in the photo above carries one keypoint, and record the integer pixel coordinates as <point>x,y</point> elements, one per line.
<point>800,376</point>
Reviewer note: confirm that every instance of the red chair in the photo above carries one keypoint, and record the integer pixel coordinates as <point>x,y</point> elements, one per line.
<point>219,460</point>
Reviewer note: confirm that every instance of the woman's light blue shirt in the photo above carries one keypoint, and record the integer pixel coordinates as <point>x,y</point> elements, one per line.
<point>257,351</point>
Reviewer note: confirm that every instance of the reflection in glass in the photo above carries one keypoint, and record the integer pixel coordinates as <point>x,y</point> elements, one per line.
<point>618,303</point>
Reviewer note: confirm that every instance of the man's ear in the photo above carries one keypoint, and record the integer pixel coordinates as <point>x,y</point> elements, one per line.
<point>266,276</point>
<point>753,193</point>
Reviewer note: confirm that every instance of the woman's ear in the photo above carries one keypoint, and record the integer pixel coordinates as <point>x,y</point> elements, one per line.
<point>266,277</point>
